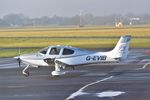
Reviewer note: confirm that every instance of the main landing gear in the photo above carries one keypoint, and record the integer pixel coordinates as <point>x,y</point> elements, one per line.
<point>58,70</point>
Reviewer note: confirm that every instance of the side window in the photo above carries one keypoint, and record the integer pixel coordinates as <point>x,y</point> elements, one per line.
<point>67,51</point>
<point>55,51</point>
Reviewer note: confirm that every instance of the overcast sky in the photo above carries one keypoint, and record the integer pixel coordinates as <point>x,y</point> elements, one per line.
<point>37,8</point>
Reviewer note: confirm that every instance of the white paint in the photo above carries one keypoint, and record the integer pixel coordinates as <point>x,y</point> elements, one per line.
<point>7,67</point>
<point>15,86</point>
<point>145,65</point>
<point>80,91</point>
<point>95,74</point>
<point>8,64</point>
<point>145,60</point>
<point>109,94</point>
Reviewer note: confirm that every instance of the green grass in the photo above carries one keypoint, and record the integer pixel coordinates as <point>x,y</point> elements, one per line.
<point>84,43</point>
<point>76,32</point>
<point>39,37</point>
<point>15,52</point>
<point>81,43</point>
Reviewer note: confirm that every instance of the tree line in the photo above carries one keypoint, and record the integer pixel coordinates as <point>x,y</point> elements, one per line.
<point>15,20</point>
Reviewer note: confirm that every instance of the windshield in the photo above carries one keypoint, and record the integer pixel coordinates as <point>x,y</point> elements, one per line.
<point>44,51</point>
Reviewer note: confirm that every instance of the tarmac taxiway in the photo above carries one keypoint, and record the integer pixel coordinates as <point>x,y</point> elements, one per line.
<point>121,81</point>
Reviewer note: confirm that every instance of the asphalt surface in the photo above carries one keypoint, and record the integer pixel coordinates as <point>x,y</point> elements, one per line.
<point>123,81</point>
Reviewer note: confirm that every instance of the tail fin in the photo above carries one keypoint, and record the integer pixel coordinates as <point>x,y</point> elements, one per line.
<point>121,49</point>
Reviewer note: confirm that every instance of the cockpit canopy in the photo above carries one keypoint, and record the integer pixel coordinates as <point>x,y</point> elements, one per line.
<point>57,50</point>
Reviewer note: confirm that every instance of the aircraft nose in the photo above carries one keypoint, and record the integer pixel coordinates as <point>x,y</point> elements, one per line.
<point>22,57</point>
<point>17,57</point>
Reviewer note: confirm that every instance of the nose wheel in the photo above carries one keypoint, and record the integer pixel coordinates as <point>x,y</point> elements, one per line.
<point>26,73</point>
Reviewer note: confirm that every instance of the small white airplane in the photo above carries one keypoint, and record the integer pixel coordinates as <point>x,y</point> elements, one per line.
<point>64,56</point>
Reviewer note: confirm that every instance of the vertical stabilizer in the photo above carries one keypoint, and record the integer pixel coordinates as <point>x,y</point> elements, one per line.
<point>122,47</point>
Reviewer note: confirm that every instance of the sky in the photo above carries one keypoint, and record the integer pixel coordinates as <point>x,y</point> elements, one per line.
<point>38,8</point>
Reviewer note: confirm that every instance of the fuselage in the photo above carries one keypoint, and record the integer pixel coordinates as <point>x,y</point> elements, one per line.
<point>66,54</point>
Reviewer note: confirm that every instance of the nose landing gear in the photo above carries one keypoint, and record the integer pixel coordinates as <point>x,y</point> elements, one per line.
<point>25,71</point>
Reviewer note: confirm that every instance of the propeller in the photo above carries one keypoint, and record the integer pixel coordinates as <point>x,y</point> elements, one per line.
<point>19,61</point>
<point>18,58</point>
